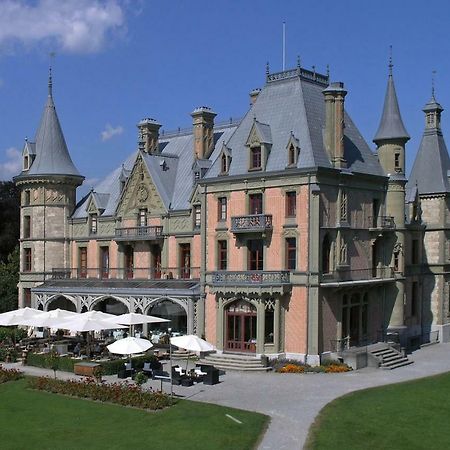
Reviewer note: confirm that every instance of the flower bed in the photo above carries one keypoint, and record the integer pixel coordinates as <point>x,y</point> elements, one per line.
<point>120,393</point>
<point>9,375</point>
<point>293,366</point>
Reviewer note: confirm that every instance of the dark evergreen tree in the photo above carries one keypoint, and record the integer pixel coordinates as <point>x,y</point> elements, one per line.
<point>9,277</point>
<point>9,218</point>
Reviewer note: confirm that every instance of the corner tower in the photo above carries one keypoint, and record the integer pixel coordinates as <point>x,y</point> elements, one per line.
<point>390,140</point>
<point>47,185</point>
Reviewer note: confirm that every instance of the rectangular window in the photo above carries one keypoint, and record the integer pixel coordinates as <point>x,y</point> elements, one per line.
<point>185,260</point>
<point>291,253</point>
<point>255,254</point>
<point>104,261</point>
<point>255,203</point>
<point>414,299</point>
<point>255,158</point>
<point>397,160</point>
<point>291,204</point>
<point>93,224</point>
<point>415,252</point>
<point>26,227</point>
<point>156,261</point>
<point>27,297</point>
<point>222,255</point>
<point>27,260</point>
<point>26,198</point>
<point>129,261</point>
<point>197,217</point>
<point>269,322</point>
<point>142,217</point>
<point>83,262</point>
<point>222,209</point>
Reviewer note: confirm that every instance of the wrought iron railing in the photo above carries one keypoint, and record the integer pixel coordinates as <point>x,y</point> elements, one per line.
<point>251,223</point>
<point>358,274</point>
<point>128,273</point>
<point>148,232</point>
<point>251,277</point>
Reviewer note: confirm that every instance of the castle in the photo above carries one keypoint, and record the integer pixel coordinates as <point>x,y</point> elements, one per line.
<point>279,234</point>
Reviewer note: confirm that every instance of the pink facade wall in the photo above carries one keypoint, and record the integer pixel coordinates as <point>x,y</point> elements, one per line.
<point>210,318</point>
<point>296,321</point>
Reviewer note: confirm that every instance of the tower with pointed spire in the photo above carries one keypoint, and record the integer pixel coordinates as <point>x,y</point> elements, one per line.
<point>48,185</point>
<point>429,191</point>
<point>390,140</point>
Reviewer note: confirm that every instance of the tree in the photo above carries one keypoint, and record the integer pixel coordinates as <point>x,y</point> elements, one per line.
<point>9,218</point>
<point>9,277</point>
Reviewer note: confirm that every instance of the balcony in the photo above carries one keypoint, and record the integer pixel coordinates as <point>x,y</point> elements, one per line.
<point>250,281</point>
<point>149,233</point>
<point>357,276</point>
<point>253,223</point>
<point>385,223</point>
<point>132,273</point>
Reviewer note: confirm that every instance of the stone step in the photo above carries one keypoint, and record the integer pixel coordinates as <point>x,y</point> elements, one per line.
<point>255,362</point>
<point>239,367</point>
<point>396,364</point>
<point>229,361</point>
<point>383,352</point>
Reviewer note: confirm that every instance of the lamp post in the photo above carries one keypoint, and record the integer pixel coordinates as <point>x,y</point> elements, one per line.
<point>169,330</point>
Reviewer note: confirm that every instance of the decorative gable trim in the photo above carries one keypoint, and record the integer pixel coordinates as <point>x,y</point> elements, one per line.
<point>293,151</point>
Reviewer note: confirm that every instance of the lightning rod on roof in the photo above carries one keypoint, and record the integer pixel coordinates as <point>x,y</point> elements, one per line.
<point>284,46</point>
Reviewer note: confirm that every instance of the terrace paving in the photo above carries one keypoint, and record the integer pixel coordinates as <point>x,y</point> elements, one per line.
<point>291,400</point>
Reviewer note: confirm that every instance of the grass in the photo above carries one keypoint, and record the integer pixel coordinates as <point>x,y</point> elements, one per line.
<point>412,415</point>
<point>34,419</point>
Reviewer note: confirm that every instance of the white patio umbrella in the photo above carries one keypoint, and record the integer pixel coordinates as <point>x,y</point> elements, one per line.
<point>83,323</point>
<point>192,343</point>
<point>129,346</point>
<point>18,316</point>
<point>135,318</point>
<point>51,319</point>
<point>98,315</point>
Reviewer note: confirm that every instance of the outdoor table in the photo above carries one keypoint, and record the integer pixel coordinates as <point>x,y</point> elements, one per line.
<point>85,368</point>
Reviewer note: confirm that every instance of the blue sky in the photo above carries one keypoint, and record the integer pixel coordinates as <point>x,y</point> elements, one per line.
<point>120,61</point>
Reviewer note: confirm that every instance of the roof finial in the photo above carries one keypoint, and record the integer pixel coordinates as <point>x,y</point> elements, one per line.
<point>433,74</point>
<point>50,80</point>
<point>267,68</point>
<point>298,62</point>
<point>390,60</point>
<point>328,71</point>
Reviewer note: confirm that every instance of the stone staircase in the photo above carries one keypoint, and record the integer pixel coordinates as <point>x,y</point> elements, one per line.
<point>388,357</point>
<point>231,361</point>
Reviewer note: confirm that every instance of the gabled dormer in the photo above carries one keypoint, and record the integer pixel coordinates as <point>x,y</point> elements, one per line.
<point>28,155</point>
<point>293,151</point>
<point>259,143</point>
<point>225,159</point>
<point>199,168</point>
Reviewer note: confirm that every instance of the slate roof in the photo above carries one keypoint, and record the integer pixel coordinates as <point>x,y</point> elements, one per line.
<point>295,105</point>
<point>171,171</point>
<point>432,164</point>
<point>52,155</point>
<point>391,125</point>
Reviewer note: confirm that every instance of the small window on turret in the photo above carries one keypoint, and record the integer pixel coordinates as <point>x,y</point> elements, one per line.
<point>397,162</point>
<point>26,162</point>
<point>26,198</point>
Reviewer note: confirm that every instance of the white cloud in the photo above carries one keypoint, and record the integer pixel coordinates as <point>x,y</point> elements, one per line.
<point>13,164</point>
<point>75,26</point>
<point>109,132</point>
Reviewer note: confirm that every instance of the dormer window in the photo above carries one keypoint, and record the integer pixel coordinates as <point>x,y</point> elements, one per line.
<point>292,151</point>
<point>224,164</point>
<point>197,217</point>
<point>93,223</point>
<point>255,158</point>
<point>225,160</point>
<point>197,175</point>
<point>26,162</point>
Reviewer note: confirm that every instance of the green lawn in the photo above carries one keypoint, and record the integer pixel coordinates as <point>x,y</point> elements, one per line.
<point>32,419</point>
<point>412,415</point>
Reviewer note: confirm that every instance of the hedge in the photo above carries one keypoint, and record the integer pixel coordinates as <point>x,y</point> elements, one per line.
<point>65,363</point>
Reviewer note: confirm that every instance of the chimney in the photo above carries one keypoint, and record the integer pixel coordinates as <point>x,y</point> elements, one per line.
<point>203,129</point>
<point>149,135</point>
<point>254,95</point>
<point>334,123</point>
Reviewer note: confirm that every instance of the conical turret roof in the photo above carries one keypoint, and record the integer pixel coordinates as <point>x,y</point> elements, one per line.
<point>391,125</point>
<point>432,164</point>
<point>52,155</point>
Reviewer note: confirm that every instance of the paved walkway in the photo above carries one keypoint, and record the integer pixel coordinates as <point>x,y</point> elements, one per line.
<point>293,401</point>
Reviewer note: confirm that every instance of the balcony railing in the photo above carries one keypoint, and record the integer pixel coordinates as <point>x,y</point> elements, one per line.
<point>383,222</point>
<point>251,277</point>
<point>139,233</point>
<point>131,273</point>
<point>253,223</point>
<point>375,273</point>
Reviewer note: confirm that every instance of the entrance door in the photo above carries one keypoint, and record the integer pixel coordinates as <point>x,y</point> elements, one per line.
<point>241,327</point>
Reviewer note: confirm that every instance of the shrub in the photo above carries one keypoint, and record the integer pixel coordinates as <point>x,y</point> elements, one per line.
<point>8,353</point>
<point>9,335</point>
<point>140,378</point>
<point>9,375</point>
<point>64,363</point>
<point>337,368</point>
<point>120,393</point>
